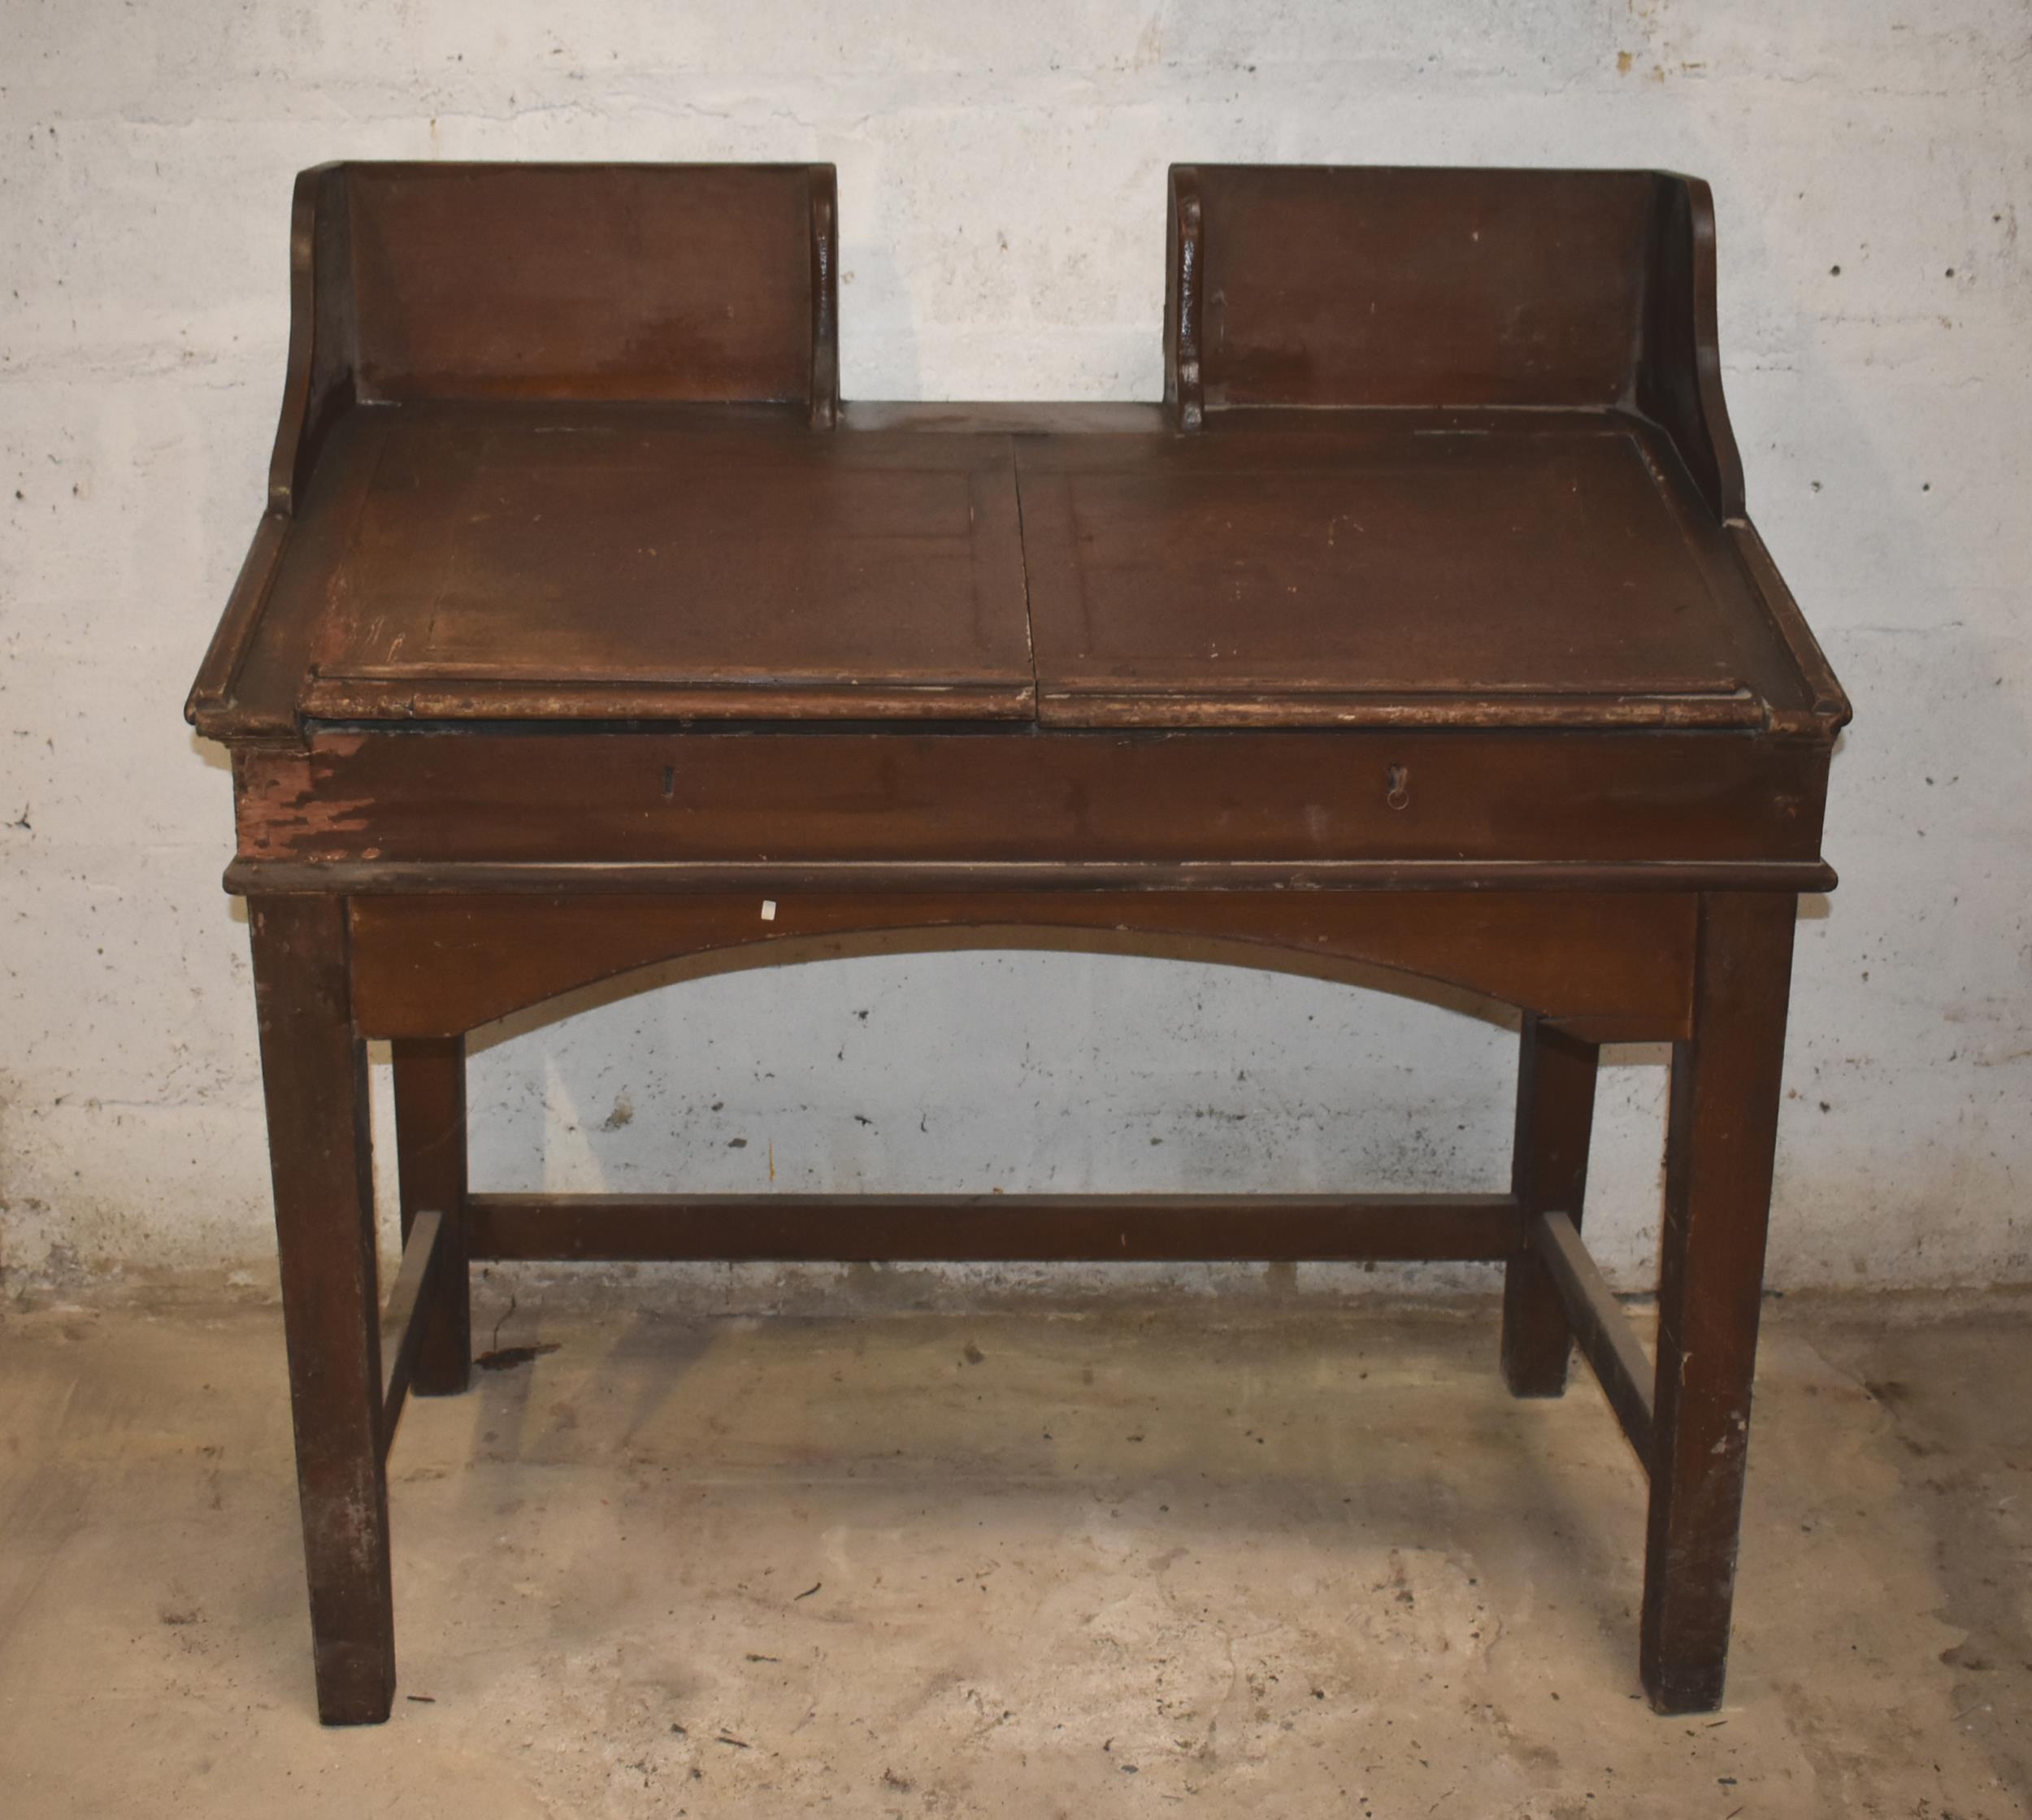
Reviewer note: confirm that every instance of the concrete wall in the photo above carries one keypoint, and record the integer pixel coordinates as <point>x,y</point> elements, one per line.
<point>1001,172</point>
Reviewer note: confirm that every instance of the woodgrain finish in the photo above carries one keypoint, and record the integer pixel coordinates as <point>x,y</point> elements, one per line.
<point>914,798</point>
<point>1678,366</point>
<point>1393,287</point>
<point>1539,568</point>
<point>1614,964</point>
<point>512,563</point>
<point>313,1072</point>
<point>430,1145</point>
<point>404,1316</point>
<point>1418,638</point>
<point>1722,1137</point>
<point>925,1228</point>
<point>1604,1332</point>
<point>1555,1119</point>
<point>529,281</point>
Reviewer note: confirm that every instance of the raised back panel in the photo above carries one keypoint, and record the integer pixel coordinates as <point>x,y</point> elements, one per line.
<point>665,282</point>
<point>1353,286</point>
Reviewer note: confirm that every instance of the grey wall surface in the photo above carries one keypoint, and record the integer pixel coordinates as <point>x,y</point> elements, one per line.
<point>1001,187</point>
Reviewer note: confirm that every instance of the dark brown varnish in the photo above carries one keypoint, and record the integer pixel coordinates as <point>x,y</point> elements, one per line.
<point>1419,637</point>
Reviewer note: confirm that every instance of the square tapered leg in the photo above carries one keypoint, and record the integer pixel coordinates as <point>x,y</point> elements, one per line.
<point>1554,1119</point>
<point>430,1142</point>
<point>1721,1139</point>
<point>314,1071</point>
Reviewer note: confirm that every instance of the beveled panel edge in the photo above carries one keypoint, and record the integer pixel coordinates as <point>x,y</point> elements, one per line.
<point>396,702</point>
<point>1435,708</point>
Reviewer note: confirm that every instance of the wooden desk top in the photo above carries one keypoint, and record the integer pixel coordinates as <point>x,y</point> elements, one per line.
<point>482,561</point>
<point>1363,567</point>
<point>1454,455</point>
<point>594,562</point>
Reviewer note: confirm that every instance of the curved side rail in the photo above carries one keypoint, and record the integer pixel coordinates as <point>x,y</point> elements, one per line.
<point>1678,379</point>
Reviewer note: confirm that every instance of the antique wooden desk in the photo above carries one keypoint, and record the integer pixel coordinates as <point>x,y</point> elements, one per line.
<point>1420,627</point>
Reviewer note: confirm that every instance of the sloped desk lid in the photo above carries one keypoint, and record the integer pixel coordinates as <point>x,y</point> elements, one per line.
<point>583,561</point>
<point>461,562</point>
<point>1389,567</point>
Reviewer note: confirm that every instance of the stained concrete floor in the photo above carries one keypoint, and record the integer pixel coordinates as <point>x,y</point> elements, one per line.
<point>1287,1560</point>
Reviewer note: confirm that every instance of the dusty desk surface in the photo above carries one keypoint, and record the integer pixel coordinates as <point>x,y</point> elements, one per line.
<point>483,560</point>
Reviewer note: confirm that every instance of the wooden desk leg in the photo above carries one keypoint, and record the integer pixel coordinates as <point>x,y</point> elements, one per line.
<point>315,1071</point>
<point>1548,1173</point>
<point>430,1142</point>
<point>1721,1137</point>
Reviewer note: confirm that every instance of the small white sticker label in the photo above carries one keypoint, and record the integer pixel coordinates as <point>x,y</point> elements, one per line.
<point>769,909</point>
